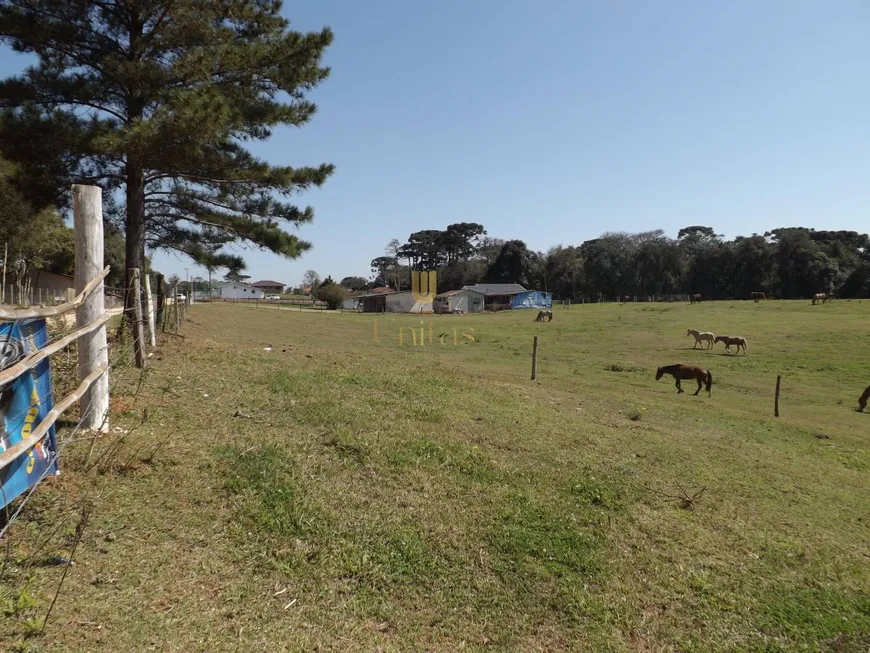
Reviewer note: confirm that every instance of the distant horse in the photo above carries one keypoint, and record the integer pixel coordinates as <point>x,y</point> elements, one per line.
<point>758,296</point>
<point>679,372</point>
<point>819,297</point>
<point>702,336</point>
<point>732,340</point>
<point>695,299</point>
<point>544,314</point>
<point>862,400</point>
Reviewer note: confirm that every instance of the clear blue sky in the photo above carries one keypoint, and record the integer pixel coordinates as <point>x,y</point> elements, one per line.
<point>554,121</point>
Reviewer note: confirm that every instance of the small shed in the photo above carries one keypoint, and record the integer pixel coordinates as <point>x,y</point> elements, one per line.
<point>532,299</point>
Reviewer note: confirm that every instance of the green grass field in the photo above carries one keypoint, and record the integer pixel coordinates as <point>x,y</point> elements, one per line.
<point>348,492</point>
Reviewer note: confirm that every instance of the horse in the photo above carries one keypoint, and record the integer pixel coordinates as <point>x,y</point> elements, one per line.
<point>862,400</point>
<point>544,314</point>
<point>702,336</point>
<point>758,296</point>
<point>732,340</point>
<point>695,299</point>
<point>819,297</point>
<point>679,372</point>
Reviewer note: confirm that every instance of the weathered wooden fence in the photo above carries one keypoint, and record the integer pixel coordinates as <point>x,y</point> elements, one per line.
<point>90,333</point>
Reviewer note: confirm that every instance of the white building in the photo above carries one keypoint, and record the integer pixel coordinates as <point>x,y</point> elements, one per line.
<point>237,290</point>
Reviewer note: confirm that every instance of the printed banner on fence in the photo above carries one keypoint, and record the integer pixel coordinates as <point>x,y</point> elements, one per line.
<point>24,403</point>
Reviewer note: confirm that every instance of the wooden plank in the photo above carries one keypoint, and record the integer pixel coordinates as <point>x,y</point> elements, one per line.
<point>13,452</point>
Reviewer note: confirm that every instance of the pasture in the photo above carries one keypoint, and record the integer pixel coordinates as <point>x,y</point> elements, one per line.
<point>347,491</point>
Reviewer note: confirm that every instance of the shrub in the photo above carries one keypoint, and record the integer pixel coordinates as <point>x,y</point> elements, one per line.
<point>332,294</point>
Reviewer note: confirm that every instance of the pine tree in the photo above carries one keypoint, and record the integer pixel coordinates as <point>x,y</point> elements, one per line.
<point>160,98</point>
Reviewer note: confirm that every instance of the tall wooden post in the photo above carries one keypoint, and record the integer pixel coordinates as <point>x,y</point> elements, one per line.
<point>138,331</point>
<point>5,263</point>
<point>161,301</point>
<point>149,312</point>
<point>535,360</point>
<point>175,305</point>
<point>776,400</point>
<point>138,326</point>
<point>93,350</point>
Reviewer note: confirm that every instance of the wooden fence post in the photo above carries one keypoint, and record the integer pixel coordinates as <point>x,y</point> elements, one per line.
<point>776,401</point>
<point>93,349</point>
<point>5,262</point>
<point>149,311</point>
<point>535,360</point>
<point>175,305</point>
<point>138,330</point>
<point>161,302</point>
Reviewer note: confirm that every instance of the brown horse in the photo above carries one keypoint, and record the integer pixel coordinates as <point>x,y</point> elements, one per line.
<point>732,340</point>
<point>695,299</point>
<point>544,314</point>
<point>680,372</point>
<point>862,400</point>
<point>820,298</point>
<point>758,296</point>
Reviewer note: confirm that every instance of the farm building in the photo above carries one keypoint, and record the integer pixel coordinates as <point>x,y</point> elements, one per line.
<point>496,296</point>
<point>269,287</point>
<point>60,287</point>
<point>374,301</point>
<point>391,301</point>
<point>237,290</point>
<point>452,301</point>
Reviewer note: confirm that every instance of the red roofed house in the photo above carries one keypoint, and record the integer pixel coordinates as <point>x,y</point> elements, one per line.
<point>270,287</point>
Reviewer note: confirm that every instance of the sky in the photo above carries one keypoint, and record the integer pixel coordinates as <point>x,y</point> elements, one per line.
<point>553,121</point>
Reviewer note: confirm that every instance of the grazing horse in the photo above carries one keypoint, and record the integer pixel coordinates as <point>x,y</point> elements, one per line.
<point>819,297</point>
<point>862,400</point>
<point>758,296</point>
<point>695,299</point>
<point>732,340</point>
<point>702,336</point>
<point>679,372</point>
<point>544,314</point>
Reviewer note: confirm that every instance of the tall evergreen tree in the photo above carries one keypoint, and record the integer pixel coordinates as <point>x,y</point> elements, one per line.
<point>161,97</point>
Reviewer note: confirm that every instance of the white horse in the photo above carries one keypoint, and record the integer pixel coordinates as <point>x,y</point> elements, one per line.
<point>702,336</point>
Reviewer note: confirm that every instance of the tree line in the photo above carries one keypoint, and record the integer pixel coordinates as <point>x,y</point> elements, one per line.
<point>789,263</point>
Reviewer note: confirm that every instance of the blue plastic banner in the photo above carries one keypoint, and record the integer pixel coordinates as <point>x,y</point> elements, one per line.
<point>24,403</point>
<point>532,299</point>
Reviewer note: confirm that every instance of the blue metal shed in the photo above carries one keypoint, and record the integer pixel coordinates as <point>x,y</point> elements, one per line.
<point>532,299</point>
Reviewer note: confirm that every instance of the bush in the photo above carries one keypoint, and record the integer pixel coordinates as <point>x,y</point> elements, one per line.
<point>332,294</point>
